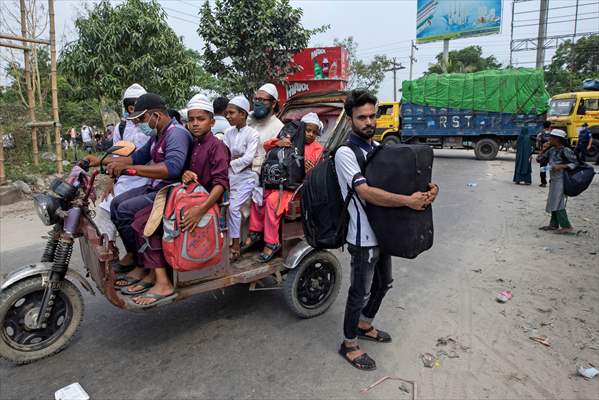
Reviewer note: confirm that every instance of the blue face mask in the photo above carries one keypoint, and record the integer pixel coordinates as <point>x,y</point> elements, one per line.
<point>261,110</point>
<point>145,128</point>
<point>125,114</point>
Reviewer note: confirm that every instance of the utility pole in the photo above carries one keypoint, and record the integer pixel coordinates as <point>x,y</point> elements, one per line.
<point>412,58</point>
<point>57,138</point>
<point>542,33</point>
<point>445,55</point>
<point>30,97</point>
<point>395,67</point>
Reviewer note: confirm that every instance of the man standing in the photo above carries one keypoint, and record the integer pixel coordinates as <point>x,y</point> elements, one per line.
<point>86,137</point>
<point>264,120</point>
<point>370,269</point>
<point>585,141</point>
<point>161,159</point>
<point>130,132</point>
<point>542,138</point>
<point>220,122</point>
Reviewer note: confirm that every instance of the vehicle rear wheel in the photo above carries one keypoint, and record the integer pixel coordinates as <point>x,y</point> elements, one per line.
<point>593,153</point>
<point>391,139</point>
<point>312,287</point>
<point>486,149</point>
<point>20,342</point>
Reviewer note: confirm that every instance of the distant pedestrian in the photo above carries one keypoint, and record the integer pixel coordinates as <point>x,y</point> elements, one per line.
<point>585,141</point>
<point>559,158</point>
<point>542,138</point>
<point>523,170</point>
<point>221,124</point>
<point>86,136</point>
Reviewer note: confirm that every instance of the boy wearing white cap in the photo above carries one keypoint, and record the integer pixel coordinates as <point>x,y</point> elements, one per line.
<point>242,140</point>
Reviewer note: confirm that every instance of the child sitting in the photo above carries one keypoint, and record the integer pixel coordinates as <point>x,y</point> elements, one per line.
<point>267,218</point>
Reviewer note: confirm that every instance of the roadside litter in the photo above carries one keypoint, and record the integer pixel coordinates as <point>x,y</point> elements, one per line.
<point>429,360</point>
<point>541,339</point>
<point>588,373</point>
<point>402,386</point>
<point>504,296</point>
<point>72,392</point>
<point>471,184</point>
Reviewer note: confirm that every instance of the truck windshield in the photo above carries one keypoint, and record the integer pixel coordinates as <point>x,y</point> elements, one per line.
<point>561,107</point>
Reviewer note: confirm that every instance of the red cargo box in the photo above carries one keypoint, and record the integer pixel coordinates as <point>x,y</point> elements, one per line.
<point>291,89</point>
<point>320,63</point>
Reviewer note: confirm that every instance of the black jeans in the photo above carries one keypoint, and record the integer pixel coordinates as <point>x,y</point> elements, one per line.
<point>543,174</point>
<point>370,281</point>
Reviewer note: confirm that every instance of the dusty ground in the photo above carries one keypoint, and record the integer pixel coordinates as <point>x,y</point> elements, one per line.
<point>247,345</point>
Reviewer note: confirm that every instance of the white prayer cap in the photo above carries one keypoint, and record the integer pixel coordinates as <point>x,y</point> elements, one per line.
<point>134,91</point>
<point>558,132</point>
<point>241,102</point>
<point>183,113</point>
<point>312,118</point>
<point>271,90</point>
<point>200,102</point>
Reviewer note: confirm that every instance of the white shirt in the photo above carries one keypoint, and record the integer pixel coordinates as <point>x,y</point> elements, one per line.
<point>220,126</point>
<point>347,167</point>
<point>86,134</point>
<point>243,144</point>
<point>268,128</point>
<point>133,134</point>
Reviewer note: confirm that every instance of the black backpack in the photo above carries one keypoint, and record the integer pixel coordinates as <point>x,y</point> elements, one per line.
<point>283,167</point>
<point>577,180</point>
<point>324,211</point>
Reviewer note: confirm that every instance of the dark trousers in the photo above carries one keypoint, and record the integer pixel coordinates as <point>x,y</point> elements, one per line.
<point>543,174</point>
<point>370,281</point>
<point>581,153</point>
<point>123,209</point>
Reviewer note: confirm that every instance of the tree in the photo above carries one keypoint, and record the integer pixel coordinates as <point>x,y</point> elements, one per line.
<point>249,42</point>
<point>363,74</point>
<point>468,59</point>
<point>129,43</point>
<point>572,63</point>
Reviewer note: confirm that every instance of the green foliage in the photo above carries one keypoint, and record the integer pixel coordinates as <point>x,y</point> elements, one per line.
<point>468,59</point>
<point>250,42</point>
<point>130,42</point>
<point>572,63</point>
<point>362,74</point>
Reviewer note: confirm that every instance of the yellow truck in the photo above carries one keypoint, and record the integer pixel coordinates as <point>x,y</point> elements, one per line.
<point>569,111</point>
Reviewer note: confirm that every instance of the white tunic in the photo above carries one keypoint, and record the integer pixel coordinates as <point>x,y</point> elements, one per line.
<point>268,128</point>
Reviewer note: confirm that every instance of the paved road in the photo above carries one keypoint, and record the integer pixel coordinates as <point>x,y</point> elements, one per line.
<point>238,344</point>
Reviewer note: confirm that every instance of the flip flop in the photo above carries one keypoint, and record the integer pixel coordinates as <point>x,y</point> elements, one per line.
<point>122,269</point>
<point>381,336</point>
<point>160,299</point>
<point>144,284</point>
<point>124,277</point>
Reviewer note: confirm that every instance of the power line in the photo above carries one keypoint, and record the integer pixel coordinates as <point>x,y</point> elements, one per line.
<point>555,8</point>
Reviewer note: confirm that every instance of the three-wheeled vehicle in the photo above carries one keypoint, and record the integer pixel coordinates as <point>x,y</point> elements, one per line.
<point>41,306</point>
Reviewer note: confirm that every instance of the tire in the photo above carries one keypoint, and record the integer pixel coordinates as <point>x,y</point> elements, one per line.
<point>594,152</point>
<point>309,301</point>
<point>486,149</point>
<point>391,139</point>
<point>69,302</point>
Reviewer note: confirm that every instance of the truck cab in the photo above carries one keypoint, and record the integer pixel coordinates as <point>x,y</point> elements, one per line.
<point>569,111</point>
<point>388,123</point>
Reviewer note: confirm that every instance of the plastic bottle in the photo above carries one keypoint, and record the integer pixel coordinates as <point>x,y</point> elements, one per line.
<point>325,68</point>
<point>317,70</point>
<point>333,70</point>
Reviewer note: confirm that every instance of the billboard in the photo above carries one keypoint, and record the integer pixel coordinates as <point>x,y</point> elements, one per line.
<point>454,19</point>
<point>320,63</point>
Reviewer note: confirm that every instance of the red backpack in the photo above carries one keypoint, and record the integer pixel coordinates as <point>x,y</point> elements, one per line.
<point>190,250</point>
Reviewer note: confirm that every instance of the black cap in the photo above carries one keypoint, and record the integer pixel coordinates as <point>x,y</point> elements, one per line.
<point>145,102</point>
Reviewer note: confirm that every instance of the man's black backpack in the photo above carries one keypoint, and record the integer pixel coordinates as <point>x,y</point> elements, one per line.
<point>283,167</point>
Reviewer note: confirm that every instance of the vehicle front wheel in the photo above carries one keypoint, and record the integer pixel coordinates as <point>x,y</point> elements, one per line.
<point>391,139</point>
<point>486,149</point>
<point>20,341</point>
<point>593,153</point>
<point>312,287</point>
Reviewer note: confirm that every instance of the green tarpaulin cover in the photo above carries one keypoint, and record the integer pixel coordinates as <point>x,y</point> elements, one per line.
<point>520,90</point>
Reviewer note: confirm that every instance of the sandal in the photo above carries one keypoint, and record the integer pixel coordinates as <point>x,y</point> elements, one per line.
<point>159,299</point>
<point>124,277</point>
<point>122,269</point>
<point>381,336</point>
<point>363,362</point>
<point>548,228</point>
<point>275,248</point>
<point>144,284</point>
<point>255,238</point>
<point>235,255</point>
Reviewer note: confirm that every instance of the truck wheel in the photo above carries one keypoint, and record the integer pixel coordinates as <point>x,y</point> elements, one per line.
<point>391,139</point>
<point>594,152</point>
<point>20,342</point>
<point>486,149</point>
<point>312,287</point>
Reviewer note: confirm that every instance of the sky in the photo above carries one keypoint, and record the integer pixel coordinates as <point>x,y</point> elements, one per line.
<point>379,27</point>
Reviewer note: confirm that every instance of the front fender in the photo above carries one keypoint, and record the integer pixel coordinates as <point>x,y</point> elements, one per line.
<point>297,254</point>
<point>44,270</point>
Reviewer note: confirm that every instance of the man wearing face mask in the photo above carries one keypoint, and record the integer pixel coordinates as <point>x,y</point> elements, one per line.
<point>264,120</point>
<point>370,269</point>
<point>162,160</point>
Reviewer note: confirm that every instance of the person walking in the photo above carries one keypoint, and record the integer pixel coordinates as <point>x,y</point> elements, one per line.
<point>523,170</point>
<point>559,158</point>
<point>585,141</point>
<point>542,138</point>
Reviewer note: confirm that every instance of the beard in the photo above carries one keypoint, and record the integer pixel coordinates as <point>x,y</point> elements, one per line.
<point>365,133</point>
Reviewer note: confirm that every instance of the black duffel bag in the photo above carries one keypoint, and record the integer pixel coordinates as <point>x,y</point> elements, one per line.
<point>402,169</point>
<point>577,180</point>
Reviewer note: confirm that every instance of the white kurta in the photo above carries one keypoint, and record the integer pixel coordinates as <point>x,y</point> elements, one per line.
<point>267,128</point>
<point>243,144</point>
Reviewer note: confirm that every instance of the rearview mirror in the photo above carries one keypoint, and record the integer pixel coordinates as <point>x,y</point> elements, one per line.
<point>122,148</point>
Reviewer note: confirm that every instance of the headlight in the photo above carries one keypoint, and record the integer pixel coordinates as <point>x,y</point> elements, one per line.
<point>46,206</point>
